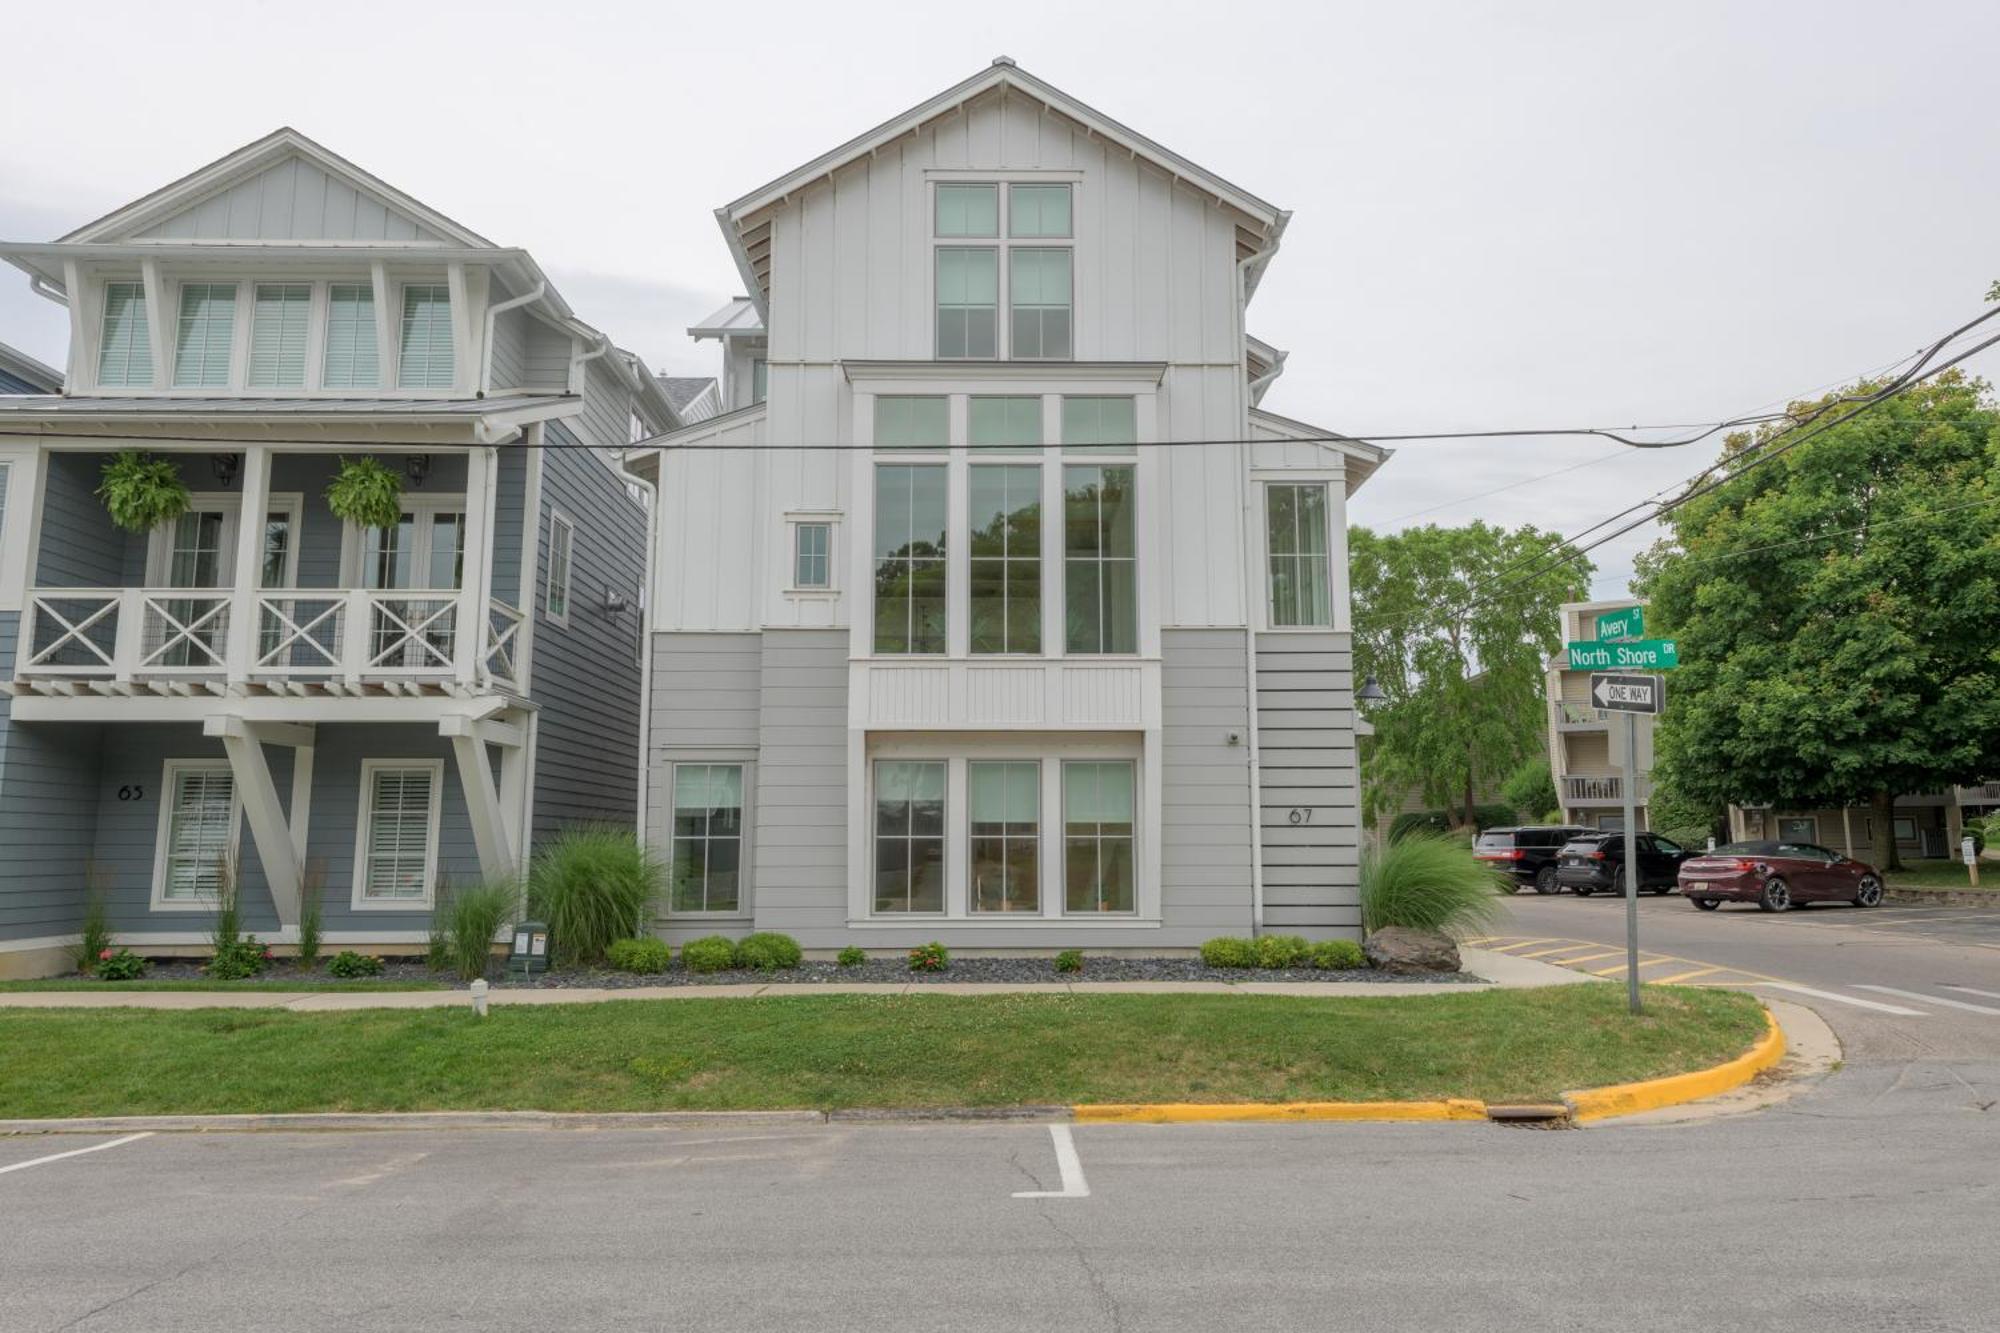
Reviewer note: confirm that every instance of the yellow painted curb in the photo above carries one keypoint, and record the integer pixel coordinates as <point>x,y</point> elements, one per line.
<point>1631,1098</point>
<point>1177,1113</point>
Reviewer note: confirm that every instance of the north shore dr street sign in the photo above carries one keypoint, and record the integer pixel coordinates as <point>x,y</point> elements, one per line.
<point>1628,694</point>
<point>1621,626</point>
<point>1644,655</point>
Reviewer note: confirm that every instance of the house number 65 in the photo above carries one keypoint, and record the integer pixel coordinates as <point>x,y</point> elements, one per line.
<point>131,792</point>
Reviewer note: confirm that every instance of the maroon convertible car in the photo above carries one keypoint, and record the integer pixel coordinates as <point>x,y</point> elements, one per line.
<point>1778,875</point>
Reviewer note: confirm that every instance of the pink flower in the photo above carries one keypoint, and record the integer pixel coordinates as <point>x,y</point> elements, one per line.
<point>103,954</point>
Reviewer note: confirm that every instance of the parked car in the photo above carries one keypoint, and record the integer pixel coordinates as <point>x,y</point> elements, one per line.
<point>1595,863</point>
<point>1778,875</point>
<point>1528,852</point>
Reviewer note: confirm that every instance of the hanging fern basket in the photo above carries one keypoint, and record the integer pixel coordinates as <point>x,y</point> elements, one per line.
<point>366,494</point>
<point>142,491</point>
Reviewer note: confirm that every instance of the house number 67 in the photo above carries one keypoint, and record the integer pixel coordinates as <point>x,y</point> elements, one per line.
<point>1301,815</point>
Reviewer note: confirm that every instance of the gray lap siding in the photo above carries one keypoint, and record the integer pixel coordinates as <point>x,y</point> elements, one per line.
<point>1309,788</point>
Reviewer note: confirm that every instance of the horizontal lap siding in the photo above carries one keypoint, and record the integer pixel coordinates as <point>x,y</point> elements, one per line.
<point>47,816</point>
<point>1307,767</point>
<point>799,856</point>
<point>79,546</point>
<point>586,673</point>
<point>705,697</point>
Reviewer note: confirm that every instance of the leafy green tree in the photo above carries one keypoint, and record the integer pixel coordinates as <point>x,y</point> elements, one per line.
<point>1838,611</point>
<point>1457,625</point>
<point>1531,789</point>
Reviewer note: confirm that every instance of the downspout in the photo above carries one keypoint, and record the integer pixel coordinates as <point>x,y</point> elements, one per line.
<point>493,313</point>
<point>577,363</point>
<point>1250,594</point>
<point>41,286</point>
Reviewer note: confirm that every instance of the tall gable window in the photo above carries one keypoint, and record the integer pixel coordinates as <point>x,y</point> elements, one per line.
<point>207,328</point>
<point>1037,277</point>
<point>426,361</point>
<point>351,361</point>
<point>125,349</point>
<point>1295,533</point>
<point>278,325</point>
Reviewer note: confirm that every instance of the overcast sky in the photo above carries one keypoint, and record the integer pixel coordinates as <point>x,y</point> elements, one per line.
<point>1506,215</point>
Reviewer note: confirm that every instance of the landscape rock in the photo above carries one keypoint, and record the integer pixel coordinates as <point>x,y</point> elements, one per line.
<point>1400,949</point>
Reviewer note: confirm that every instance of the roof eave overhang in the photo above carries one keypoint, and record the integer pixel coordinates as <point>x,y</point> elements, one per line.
<point>484,427</point>
<point>1362,458</point>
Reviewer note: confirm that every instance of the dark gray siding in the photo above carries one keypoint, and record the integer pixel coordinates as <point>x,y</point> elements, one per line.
<point>705,703</point>
<point>586,673</point>
<point>799,857</point>
<point>1305,738</point>
<point>47,818</point>
<point>79,546</point>
<point>1205,805</point>
<point>511,495</point>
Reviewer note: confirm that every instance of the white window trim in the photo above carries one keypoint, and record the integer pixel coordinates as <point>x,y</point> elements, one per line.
<point>558,518</point>
<point>744,908</point>
<point>794,520</point>
<point>160,542</point>
<point>1050,751</point>
<point>958,458</point>
<point>424,509</point>
<point>1003,332</point>
<point>159,901</point>
<point>1258,553</point>
<point>364,816</point>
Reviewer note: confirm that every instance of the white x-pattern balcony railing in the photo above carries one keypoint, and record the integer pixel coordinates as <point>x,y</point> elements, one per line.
<point>301,634</point>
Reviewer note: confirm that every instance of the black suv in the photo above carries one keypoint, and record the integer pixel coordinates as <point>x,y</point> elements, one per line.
<point>1527,853</point>
<point>1595,863</point>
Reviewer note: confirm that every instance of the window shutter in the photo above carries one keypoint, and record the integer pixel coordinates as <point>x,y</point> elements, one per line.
<point>207,328</point>
<point>278,335</point>
<point>426,355</point>
<point>351,358</point>
<point>125,352</point>
<point>399,832</point>
<point>204,800</point>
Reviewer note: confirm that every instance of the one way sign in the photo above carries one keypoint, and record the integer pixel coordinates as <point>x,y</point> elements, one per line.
<point>1629,694</point>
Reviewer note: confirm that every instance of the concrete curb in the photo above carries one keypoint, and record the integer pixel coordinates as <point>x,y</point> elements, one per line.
<point>1965,897</point>
<point>1184,1113</point>
<point>1631,1098</point>
<point>385,1120</point>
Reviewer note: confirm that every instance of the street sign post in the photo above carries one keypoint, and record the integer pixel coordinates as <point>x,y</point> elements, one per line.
<point>1640,655</point>
<point>1629,694</point>
<point>1622,626</point>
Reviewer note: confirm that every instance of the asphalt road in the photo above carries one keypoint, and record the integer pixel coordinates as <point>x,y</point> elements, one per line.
<point>1868,1201</point>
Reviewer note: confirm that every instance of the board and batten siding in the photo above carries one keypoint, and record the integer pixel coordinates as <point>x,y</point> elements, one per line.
<point>586,672</point>
<point>1309,785</point>
<point>292,200</point>
<point>1205,801</point>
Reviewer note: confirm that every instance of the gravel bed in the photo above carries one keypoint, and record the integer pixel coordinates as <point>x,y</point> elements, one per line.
<point>876,971</point>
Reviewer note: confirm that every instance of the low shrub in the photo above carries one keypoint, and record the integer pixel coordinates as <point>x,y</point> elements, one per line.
<point>347,965</point>
<point>647,955</point>
<point>437,953</point>
<point>1229,951</point>
<point>1338,956</point>
<point>312,913</point>
<point>124,965</point>
<point>94,940</point>
<point>1069,960</point>
<point>1427,882</point>
<point>472,916</point>
<point>767,951</point>
<point>236,959</point>
<point>851,956</point>
<point>932,957</point>
<point>710,953</point>
<point>593,883</point>
<point>1281,951</point>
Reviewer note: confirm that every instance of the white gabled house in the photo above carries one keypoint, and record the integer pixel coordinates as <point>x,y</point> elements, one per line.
<point>991,607</point>
<point>368,713</point>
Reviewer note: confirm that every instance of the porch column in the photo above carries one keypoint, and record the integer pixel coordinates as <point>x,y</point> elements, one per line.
<point>247,580</point>
<point>469,624</point>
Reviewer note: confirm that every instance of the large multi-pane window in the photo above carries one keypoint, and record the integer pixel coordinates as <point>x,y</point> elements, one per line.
<point>1036,276</point>
<point>399,823</point>
<point>1004,800</point>
<point>1099,818</point>
<point>351,360</point>
<point>1295,531</point>
<point>426,358</point>
<point>206,330</point>
<point>1100,560</point>
<point>125,345</point>
<point>279,317</point>
<point>1005,545</point>
<point>198,830</point>
<point>708,838</point>
<point>910,555</point>
<point>909,835</point>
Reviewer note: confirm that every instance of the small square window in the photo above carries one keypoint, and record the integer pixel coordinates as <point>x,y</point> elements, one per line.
<point>968,210</point>
<point>1038,210</point>
<point>812,555</point>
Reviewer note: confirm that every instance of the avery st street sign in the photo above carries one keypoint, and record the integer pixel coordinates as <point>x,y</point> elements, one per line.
<point>1628,694</point>
<point>1621,626</point>
<point>1644,655</point>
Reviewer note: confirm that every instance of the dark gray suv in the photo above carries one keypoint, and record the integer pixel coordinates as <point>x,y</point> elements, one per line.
<point>1528,852</point>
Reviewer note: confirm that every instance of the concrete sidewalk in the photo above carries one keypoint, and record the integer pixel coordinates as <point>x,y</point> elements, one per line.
<point>1499,970</point>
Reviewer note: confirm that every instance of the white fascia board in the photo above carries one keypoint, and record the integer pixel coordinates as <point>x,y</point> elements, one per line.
<point>1134,372</point>
<point>1368,456</point>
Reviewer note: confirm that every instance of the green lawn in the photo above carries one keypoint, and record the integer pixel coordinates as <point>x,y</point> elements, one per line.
<point>1941,875</point>
<point>835,1051</point>
<point>256,984</point>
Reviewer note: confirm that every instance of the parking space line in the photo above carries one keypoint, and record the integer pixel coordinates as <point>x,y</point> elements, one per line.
<point>1560,948</point>
<point>1643,962</point>
<point>1837,997</point>
<point>74,1152</point>
<point>1523,944</point>
<point>1974,990</point>
<point>1068,1163</point>
<point>1586,958</point>
<point>1686,976</point>
<point>1934,999</point>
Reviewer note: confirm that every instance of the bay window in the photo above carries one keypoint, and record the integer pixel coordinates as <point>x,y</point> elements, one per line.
<point>1296,542</point>
<point>909,836</point>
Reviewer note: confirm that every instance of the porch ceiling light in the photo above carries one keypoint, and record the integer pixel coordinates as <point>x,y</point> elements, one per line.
<point>417,467</point>
<point>224,467</point>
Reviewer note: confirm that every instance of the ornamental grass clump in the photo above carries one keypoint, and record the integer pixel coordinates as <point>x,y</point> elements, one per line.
<point>592,884</point>
<point>1427,881</point>
<point>473,915</point>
